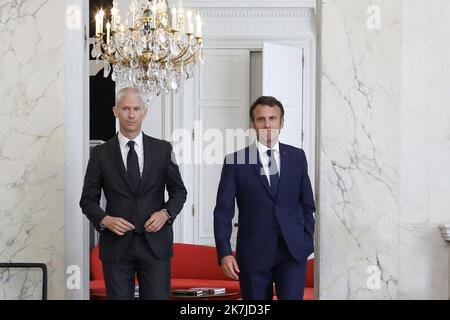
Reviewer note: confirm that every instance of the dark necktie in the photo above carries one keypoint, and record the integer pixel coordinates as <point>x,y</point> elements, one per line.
<point>273,172</point>
<point>133,167</point>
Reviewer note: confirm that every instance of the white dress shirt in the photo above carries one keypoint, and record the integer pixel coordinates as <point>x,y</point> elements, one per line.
<point>138,147</point>
<point>263,156</point>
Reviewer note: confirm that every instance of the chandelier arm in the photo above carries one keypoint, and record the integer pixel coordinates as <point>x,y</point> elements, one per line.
<point>106,56</point>
<point>182,61</point>
<point>185,62</point>
<point>123,55</point>
<point>191,58</point>
<point>163,59</point>
<point>182,54</point>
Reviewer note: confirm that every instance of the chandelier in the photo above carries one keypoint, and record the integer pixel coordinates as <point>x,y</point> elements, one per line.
<point>150,46</point>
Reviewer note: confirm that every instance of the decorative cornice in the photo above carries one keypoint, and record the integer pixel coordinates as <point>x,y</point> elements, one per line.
<point>250,3</point>
<point>252,29</point>
<point>257,12</point>
<point>252,22</point>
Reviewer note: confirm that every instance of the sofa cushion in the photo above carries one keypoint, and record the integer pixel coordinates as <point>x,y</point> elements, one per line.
<point>196,262</point>
<point>97,289</point>
<point>308,294</point>
<point>97,285</point>
<point>96,265</point>
<point>309,281</point>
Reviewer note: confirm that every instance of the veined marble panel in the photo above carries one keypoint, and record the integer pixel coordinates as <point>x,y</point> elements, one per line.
<point>359,161</point>
<point>31,145</point>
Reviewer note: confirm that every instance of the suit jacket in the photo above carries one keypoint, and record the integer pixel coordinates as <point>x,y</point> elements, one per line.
<point>106,171</point>
<point>262,215</point>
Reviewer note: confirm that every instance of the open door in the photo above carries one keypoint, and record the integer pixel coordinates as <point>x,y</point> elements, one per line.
<point>283,79</point>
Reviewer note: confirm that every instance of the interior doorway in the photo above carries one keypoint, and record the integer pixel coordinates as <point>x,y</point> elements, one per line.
<point>284,26</point>
<point>225,87</point>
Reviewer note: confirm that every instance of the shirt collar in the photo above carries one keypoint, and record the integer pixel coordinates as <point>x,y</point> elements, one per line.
<point>124,140</point>
<point>263,148</point>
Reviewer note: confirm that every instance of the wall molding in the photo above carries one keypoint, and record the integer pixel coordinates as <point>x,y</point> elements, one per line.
<point>252,3</point>
<point>258,22</point>
<point>256,12</point>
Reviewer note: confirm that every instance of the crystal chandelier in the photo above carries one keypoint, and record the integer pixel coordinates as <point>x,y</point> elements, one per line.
<point>150,46</point>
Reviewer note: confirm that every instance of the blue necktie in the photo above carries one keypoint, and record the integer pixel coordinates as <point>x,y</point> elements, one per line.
<point>133,167</point>
<point>273,172</point>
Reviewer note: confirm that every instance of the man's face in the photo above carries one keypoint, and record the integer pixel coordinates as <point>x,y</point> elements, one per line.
<point>267,122</point>
<point>130,111</point>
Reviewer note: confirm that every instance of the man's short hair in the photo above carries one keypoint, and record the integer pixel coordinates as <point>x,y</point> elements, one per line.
<point>268,101</point>
<point>130,90</point>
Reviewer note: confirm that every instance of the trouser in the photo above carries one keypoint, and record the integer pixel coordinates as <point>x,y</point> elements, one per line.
<point>287,274</point>
<point>153,274</point>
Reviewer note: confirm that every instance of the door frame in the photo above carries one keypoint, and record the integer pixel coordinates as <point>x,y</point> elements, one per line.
<point>246,35</point>
<point>229,27</point>
<point>76,146</point>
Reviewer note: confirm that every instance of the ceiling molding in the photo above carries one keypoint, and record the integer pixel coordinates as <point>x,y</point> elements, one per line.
<point>250,3</point>
<point>256,12</point>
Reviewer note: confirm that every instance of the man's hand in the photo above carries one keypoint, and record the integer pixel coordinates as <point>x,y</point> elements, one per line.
<point>156,221</point>
<point>229,267</point>
<point>117,225</point>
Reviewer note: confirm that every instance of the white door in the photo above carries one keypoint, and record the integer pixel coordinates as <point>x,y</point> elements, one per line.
<point>222,101</point>
<point>283,79</point>
<point>222,94</point>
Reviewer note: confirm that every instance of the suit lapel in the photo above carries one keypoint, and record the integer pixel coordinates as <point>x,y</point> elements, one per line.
<point>284,159</point>
<point>119,161</point>
<point>259,170</point>
<point>150,159</point>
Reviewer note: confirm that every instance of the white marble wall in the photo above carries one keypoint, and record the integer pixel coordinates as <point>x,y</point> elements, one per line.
<point>425,149</point>
<point>359,161</point>
<point>31,145</point>
<point>385,149</point>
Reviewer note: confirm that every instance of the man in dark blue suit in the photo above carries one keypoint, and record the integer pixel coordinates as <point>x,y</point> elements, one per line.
<point>270,183</point>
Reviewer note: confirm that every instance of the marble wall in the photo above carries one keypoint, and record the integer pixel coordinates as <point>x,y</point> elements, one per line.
<point>385,149</point>
<point>359,162</point>
<point>425,149</point>
<point>31,145</point>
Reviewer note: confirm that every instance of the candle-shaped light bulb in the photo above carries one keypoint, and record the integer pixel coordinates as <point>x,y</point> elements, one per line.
<point>97,23</point>
<point>113,17</point>
<point>102,15</point>
<point>174,19</point>
<point>180,18</point>
<point>154,8</point>
<point>108,32</point>
<point>133,14</point>
<point>190,26</point>
<point>199,26</point>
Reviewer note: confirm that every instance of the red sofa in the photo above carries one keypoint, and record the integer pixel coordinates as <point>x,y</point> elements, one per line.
<point>308,294</point>
<point>192,266</point>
